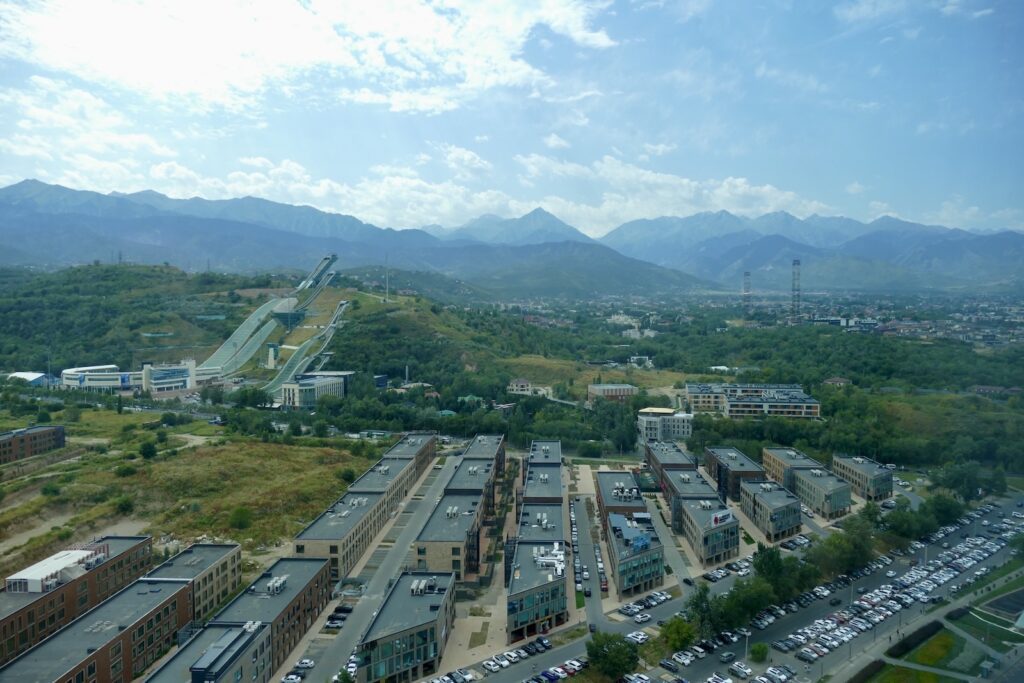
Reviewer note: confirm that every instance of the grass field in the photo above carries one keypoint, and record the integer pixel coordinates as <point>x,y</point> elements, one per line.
<point>899,674</point>
<point>997,638</point>
<point>996,574</point>
<point>549,371</point>
<point>1015,482</point>
<point>942,649</point>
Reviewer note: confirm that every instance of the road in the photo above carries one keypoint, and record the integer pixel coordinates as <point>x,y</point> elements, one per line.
<point>819,609</point>
<point>336,655</point>
<point>673,557</point>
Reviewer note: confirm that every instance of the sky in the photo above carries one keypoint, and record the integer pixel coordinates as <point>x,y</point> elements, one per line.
<point>407,113</point>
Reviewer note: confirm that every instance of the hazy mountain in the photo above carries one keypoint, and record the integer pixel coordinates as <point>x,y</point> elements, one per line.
<point>536,227</point>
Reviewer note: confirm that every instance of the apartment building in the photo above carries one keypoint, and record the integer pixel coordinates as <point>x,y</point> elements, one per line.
<point>666,459</point>
<point>450,541</point>
<point>288,596</point>
<point>663,424</point>
<point>542,475</point>
<point>406,639</point>
<point>727,466</point>
<point>823,492</point>
<point>773,510</point>
<point>41,599</point>
<point>781,463</point>
<point>485,452</point>
<point>537,589</point>
<point>711,529</point>
<point>868,479</point>
<point>682,487</point>
<point>215,571</point>
<point>611,392</point>
<point>752,400</point>
<point>419,447</point>
<point>635,553</point>
<point>114,642</point>
<point>220,654</point>
<point>24,443</point>
<point>617,492</point>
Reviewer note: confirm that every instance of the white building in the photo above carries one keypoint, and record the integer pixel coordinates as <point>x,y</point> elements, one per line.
<point>305,390</point>
<point>663,424</point>
<point>153,378</point>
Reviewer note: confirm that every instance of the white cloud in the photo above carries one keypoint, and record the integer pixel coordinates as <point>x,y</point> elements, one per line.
<point>683,10</point>
<point>913,32</point>
<point>465,163</point>
<point>926,127</point>
<point>256,162</point>
<point>554,141</point>
<point>790,79</point>
<point>867,10</point>
<point>659,149</point>
<point>410,55</point>
<point>879,209</point>
<point>957,213</point>
<point>988,11</point>
<point>481,138</point>
<point>855,188</point>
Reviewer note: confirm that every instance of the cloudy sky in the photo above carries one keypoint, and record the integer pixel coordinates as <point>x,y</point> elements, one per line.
<point>410,112</point>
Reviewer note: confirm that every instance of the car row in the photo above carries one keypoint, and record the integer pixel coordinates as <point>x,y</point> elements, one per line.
<point>457,676</point>
<point>506,659</point>
<point>570,667</point>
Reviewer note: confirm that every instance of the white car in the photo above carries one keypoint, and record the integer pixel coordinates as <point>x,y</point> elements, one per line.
<point>291,678</point>
<point>491,665</point>
<point>512,657</point>
<point>305,664</point>
<point>743,572</point>
<point>642,618</point>
<point>502,661</point>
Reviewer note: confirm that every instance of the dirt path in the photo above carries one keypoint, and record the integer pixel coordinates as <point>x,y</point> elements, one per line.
<point>42,526</point>
<point>193,439</point>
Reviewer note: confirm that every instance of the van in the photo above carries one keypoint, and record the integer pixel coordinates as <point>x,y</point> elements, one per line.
<point>698,651</point>
<point>726,657</point>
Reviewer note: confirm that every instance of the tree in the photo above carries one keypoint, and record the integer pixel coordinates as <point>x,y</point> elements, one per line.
<point>758,652</point>
<point>347,475</point>
<point>241,518</point>
<point>147,450</point>
<point>679,633</point>
<point>945,509</point>
<point>997,482</point>
<point>345,676</point>
<point>872,513</point>
<point>161,436</point>
<point>124,505</point>
<point>42,417</point>
<point>698,606</point>
<point>612,655</point>
<point>320,429</point>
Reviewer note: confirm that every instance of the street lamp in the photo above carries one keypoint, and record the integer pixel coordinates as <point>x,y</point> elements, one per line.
<point>746,642</point>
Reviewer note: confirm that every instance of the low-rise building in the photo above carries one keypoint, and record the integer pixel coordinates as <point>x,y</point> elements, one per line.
<point>537,590</point>
<point>420,447</point>
<point>113,643</point>
<point>728,466</point>
<point>406,639</point>
<point>711,529</point>
<point>773,510</point>
<point>155,378</point>
<point>618,492</point>
<point>751,400</point>
<point>663,424</point>
<point>542,475</point>
<point>288,596</point>
<point>635,553</point>
<point>611,392</point>
<point>24,443</point>
<point>869,480</point>
<point>41,599</point>
<point>666,459</point>
<point>823,492</point>
<point>220,654</point>
<point>682,487</point>
<point>215,570</point>
<point>781,463</point>
<point>450,540</point>
<point>303,392</point>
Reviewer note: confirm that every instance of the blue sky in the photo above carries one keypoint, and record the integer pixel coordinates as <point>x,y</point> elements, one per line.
<point>405,112</point>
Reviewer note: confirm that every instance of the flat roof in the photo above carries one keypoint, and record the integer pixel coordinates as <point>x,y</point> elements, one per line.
<point>608,482</point>
<point>772,496</point>
<point>793,458</point>
<point>409,445</point>
<point>116,546</point>
<point>625,545</point>
<point>610,386</point>
<point>401,610</point>
<point>709,518</point>
<point>545,451</point>
<point>862,464</point>
<point>530,519</point>
<point>470,475</point>
<point>211,648</point>
<point>378,478</point>
<point>775,396</point>
<point>193,560</point>
<point>263,606</point>
<point>484,446</point>
<point>690,485</point>
<point>654,410</point>
<point>734,459</point>
<point>826,480</point>
<point>543,480</point>
<point>30,430</point>
<point>337,521</point>
<point>68,647</point>
<point>668,453</point>
<point>442,526</point>
<point>527,574</point>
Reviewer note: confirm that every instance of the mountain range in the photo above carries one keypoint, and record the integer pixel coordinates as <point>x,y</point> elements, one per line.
<point>535,255</point>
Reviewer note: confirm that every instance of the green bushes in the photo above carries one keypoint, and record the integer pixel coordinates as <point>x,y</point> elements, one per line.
<point>914,639</point>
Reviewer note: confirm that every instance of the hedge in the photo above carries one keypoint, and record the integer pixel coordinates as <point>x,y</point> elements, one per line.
<point>914,639</point>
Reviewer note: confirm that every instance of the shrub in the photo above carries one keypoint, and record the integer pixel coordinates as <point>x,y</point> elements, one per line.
<point>758,652</point>
<point>125,470</point>
<point>161,436</point>
<point>51,490</point>
<point>148,450</point>
<point>347,475</point>
<point>124,505</point>
<point>914,639</point>
<point>241,518</point>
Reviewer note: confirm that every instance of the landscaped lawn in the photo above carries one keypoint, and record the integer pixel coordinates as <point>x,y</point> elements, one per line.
<point>942,649</point>
<point>990,634</point>
<point>899,674</point>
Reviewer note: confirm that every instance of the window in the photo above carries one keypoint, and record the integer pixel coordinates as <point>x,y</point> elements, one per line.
<point>456,551</point>
<point>300,549</point>
<point>421,551</point>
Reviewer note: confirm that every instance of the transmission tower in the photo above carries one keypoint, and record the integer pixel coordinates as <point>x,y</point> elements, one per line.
<point>795,304</point>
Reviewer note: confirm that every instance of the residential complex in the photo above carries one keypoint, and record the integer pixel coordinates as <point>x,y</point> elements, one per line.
<point>823,492</point>
<point>304,390</point>
<point>665,459</point>
<point>727,466</point>
<point>24,443</point>
<point>215,571</point>
<point>451,539</point>
<point>711,529</point>
<point>41,599</point>
<point>752,400</point>
<point>635,553</point>
<point>406,638</point>
<point>220,654</point>
<point>663,424</point>
<point>773,510</point>
<point>542,475</point>
<point>868,479</point>
<point>288,596</point>
<point>114,642</point>
<point>611,392</point>
<point>782,463</point>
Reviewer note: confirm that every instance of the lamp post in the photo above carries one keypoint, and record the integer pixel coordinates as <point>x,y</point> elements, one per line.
<point>746,642</point>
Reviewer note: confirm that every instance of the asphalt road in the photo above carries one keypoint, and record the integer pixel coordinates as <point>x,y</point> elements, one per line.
<point>782,627</point>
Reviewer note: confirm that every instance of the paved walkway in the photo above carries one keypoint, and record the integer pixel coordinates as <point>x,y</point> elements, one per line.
<point>986,648</point>
<point>930,669</point>
<point>673,556</point>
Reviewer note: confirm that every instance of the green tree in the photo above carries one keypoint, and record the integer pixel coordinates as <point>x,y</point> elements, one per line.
<point>347,475</point>
<point>612,655</point>
<point>679,633</point>
<point>872,512</point>
<point>147,449</point>
<point>240,518</point>
<point>72,414</point>
<point>945,509</point>
<point>161,436</point>
<point>758,652</point>
<point>320,429</point>
<point>997,482</point>
<point>42,417</point>
<point>124,505</point>
<point>698,606</point>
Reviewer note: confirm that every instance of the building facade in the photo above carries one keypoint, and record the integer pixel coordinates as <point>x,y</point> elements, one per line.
<point>773,510</point>
<point>407,637</point>
<point>220,654</point>
<point>41,599</point>
<point>823,492</point>
<point>450,541</point>
<point>728,466</point>
<point>666,459</point>
<point>739,401</point>
<point>682,487</point>
<point>303,392</point>
<point>711,529</point>
<point>868,479</point>
<point>611,392</point>
<point>781,464</point>
<point>214,569</point>
<point>663,424</point>
<point>635,553</point>
<point>155,378</point>
<point>24,443</point>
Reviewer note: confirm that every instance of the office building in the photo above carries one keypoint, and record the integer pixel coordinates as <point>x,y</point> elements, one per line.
<point>823,492</point>
<point>220,654</point>
<point>537,589</point>
<point>611,392</point>
<point>665,459</point>
<point>419,447</point>
<point>542,475</point>
<point>781,463</point>
<point>154,378</point>
<point>450,541</point>
<point>663,424</point>
<point>214,569</point>
<point>485,451</point>
<point>303,392</point>
<point>727,466</point>
<point>738,401</point>
<point>867,478</point>
<point>711,529</point>
<point>618,492</point>
<point>24,443</point>
<point>635,553</point>
<point>773,510</point>
<point>113,643</point>
<point>288,596</point>
<point>406,639</point>
<point>681,487</point>
<point>41,599</point>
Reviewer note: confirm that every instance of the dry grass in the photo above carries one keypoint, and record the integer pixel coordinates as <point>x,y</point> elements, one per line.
<point>548,371</point>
